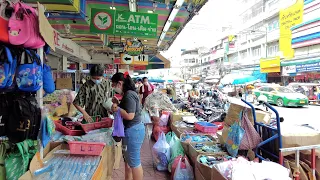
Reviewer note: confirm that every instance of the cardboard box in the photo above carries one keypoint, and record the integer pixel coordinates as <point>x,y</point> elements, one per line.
<point>103,171</point>
<point>208,172</point>
<point>198,175</point>
<point>185,145</point>
<point>64,83</point>
<point>178,115</point>
<point>193,153</point>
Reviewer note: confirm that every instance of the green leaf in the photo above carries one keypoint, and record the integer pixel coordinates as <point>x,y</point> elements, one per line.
<point>105,21</point>
<point>100,18</point>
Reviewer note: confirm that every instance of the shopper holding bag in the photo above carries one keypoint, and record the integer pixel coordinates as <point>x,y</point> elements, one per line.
<point>130,110</point>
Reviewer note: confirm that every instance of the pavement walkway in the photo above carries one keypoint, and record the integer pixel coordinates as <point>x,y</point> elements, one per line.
<point>150,173</point>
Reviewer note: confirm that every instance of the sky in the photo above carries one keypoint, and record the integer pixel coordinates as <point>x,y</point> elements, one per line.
<point>204,28</point>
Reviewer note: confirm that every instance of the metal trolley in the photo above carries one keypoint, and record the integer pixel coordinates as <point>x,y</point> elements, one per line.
<point>271,136</point>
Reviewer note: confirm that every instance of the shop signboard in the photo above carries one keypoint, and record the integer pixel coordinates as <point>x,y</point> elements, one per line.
<point>288,18</point>
<point>268,65</point>
<point>133,47</point>
<point>286,70</point>
<point>141,59</point>
<point>314,67</point>
<point>105,21</point>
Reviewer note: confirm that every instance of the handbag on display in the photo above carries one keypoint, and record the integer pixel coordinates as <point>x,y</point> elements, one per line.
<point>8,65</point>
<point>29,72</point>
<point>4,6</point>
<point>19,26</point>
<point>35,40</point>
<point>48,82</point>
<point>17,162</point>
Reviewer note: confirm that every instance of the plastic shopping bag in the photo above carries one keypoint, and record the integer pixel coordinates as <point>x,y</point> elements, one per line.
<point>145,117</point>
<point>118,128</point>
<point>176,148</point>
<point>161,153</point>
<point>164,118</point>
<point>181,173</point>
<point>234,138</point>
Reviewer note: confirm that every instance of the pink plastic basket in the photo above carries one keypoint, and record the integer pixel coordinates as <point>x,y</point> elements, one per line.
<point>66,131</point>
<point>206,127</point>
<point>86,148</point>
<point>104,123</point>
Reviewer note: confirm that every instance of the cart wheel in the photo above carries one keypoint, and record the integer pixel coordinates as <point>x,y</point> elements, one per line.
<point>280,102</point>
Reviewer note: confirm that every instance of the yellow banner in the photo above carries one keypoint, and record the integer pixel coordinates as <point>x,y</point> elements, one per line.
<point>288,18</point>
<point>270,64</point>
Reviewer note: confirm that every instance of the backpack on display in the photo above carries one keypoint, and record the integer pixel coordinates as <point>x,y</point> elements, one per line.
<point>25,119</point>
<point>35,40</point>
<point>4,6</point>
<point>29,72</point>
<point>8,65</point>
<point>19,26</point>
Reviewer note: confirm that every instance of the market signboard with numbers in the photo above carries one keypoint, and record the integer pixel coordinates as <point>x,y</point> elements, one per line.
<point>123,23</point>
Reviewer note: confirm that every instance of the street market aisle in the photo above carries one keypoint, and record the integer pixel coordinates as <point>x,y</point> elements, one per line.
<point>147,164</point>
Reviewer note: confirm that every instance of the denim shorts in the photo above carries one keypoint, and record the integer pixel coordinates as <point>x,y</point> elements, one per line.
<point>132,142</point>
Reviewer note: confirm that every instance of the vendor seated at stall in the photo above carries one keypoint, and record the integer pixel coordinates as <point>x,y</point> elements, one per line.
<point>92,95</point>
<point>194,93</point>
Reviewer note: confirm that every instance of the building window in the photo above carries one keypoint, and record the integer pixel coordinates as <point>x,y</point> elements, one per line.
<point>273,50</point>
<point>273,4</point>
<point>256,52</point>
<point>274,25</point>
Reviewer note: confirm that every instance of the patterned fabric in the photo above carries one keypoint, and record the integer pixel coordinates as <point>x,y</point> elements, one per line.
<point>251,138</point>
<point>92,96</point>
<point>156,102</point>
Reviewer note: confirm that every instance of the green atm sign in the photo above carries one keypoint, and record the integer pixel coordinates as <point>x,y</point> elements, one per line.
<point>123,23</point>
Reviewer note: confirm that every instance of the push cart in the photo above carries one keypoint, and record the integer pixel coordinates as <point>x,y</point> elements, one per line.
<point>270,134</point>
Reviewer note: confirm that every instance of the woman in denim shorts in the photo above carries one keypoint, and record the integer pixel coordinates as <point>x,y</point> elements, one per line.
<point>130,109</point>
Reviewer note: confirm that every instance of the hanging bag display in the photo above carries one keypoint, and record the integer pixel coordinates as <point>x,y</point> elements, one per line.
<point>48,82</point>
<point>19,26</point>
<point>235,135</point>
<point>17,163</point>
<point>7,67</point>
<point>4,6</point>
<point>251,137</point>
<point>35,40</point>
<point>24,122</point>
<point>29,72</point>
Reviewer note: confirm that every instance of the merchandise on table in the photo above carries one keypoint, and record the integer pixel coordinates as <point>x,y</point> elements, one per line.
<point>210,160</point>
<point>68,167</point>
<point>186,139</point>
<point>205,164</point>
<point>205,149</point>
<point>240,168</point>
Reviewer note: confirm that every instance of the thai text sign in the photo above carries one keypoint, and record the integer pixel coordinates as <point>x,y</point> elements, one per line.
<point>308,67</point>
<point>136,24</point>
<point>270,65</point>
<point>123,23</point>
<point>288,18</point>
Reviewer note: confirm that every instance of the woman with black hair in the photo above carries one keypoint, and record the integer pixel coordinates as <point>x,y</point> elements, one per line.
<point>130,109</point>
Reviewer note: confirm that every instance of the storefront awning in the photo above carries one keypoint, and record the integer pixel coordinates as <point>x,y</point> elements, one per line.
<point>158,62</point>
<point>300,61</point>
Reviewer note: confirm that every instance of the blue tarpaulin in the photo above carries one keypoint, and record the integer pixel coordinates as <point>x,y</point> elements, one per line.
<point>244,80</point>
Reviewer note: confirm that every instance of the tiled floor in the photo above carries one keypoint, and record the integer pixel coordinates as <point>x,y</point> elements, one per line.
<point>150,173</point>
